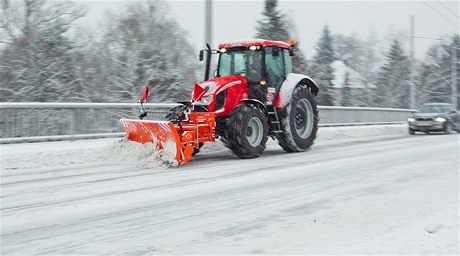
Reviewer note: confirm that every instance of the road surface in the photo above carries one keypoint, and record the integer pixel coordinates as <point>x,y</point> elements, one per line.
<point>384,194</point>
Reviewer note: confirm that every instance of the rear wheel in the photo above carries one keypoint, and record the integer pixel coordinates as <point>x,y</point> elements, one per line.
<point>247,131</point>
<point>299,121</point>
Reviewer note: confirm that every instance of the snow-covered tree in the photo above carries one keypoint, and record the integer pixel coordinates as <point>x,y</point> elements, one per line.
<point>144,46</point>
<point>392,82</point>
<point>361,55</point>
<point>321,70</point>
<point>36,61</point>
<point>435,73</point>
<point>275,25</point>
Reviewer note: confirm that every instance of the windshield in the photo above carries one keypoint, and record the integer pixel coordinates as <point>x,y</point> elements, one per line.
<point>435,108</point>
<point>241,62</point>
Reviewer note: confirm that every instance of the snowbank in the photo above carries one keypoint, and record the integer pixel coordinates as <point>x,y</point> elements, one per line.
<point>143,155</point>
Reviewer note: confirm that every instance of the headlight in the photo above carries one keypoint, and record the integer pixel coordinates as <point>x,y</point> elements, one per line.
<point>411,119</point>
<point>440,119</point>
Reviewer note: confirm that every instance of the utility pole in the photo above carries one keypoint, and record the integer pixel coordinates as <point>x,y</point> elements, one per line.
<point>208,23</point>
<point>454,75</point>
<point>412,88</point>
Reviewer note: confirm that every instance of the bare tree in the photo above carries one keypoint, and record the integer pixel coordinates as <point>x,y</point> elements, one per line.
<point>36,57</point>
<point>143,46</point>
<point>435,72</point>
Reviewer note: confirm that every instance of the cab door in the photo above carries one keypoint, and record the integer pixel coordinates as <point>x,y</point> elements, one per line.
<point>275,72</point>
<point>278,65</point>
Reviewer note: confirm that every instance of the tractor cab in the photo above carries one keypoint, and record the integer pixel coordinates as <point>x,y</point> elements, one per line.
<point>265,64</point>
<point>258,68</point>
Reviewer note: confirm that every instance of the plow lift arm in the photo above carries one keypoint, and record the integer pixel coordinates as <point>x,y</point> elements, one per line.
<point>179,137</point>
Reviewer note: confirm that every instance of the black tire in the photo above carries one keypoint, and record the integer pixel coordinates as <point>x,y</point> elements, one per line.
<point>448,128</point>
<point>197,150</point>
<point>299,121</point>
<point>411,131</point>
<point>247,131</point>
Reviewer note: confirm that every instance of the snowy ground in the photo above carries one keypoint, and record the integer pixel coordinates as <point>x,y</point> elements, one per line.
<point>358,190</point>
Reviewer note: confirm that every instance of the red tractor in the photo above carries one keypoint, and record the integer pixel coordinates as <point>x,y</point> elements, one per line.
<point>253,95</point>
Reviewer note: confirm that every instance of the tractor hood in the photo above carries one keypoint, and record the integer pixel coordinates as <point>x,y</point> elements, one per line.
<point>217,85</point>
<point>221,91</point>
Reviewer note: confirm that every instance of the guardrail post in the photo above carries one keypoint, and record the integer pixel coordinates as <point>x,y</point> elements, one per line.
<point>73,123</point>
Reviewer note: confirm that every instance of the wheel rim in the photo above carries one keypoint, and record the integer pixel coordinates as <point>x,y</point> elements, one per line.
<point>254,131</point>
<point>303,118</point>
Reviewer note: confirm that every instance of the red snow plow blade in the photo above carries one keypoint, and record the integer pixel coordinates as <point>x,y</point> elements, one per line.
<point>181,137</point>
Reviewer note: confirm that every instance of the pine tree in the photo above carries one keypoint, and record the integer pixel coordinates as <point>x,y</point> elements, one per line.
<point>322,71</point>
<point>392,81</point>
<point>274,25</point>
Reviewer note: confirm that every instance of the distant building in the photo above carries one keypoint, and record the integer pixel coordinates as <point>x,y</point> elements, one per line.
<point>349,87</point>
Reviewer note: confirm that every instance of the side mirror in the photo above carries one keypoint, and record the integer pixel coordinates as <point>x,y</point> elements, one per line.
<point>201,55</point>
<point>275,52</point>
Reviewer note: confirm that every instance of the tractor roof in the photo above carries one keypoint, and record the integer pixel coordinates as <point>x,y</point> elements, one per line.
<point>256,42</point>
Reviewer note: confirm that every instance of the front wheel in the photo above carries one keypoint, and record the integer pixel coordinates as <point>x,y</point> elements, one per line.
<point>447,128</point>
<point>247,131</point>
<point>299,121</point>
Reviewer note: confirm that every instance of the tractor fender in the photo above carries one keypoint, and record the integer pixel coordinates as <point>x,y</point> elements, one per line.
<point>287,87</point>
<point>257,103</point>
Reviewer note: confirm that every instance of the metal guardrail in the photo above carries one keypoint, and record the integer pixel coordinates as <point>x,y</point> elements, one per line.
<point>335,116</point>
<point>30,122</point>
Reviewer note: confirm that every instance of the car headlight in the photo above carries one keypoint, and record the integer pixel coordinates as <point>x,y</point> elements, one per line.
<point>411,119</point>
<point>440,119</point>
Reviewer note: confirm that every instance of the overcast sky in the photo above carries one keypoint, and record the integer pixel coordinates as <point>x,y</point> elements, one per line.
<point>235,20</point>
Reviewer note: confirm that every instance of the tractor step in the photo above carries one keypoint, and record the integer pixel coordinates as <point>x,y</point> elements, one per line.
<point>275,124</point>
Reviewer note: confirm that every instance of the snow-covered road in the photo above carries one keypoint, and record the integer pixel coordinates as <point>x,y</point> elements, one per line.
<point>384,193</point>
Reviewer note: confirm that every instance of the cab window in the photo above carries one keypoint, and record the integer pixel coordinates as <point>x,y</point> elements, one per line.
<point>242,62</point>
<point>274,66</point>
<point>287,61</point>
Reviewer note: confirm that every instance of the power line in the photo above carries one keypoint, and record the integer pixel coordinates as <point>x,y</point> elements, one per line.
<point>448,9</point>
<point>440,14</point>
